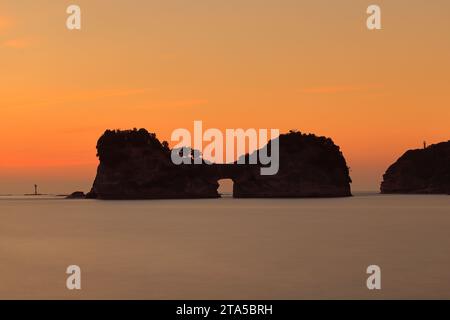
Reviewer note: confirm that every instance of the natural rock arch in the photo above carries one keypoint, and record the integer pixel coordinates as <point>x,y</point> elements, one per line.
<point>134,164</point>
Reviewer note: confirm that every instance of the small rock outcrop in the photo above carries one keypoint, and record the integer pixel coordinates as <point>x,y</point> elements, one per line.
<point>421,171</point>
<point>134,164</point>
<point>76,195</point>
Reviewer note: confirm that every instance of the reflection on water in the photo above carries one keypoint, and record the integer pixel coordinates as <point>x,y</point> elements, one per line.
<point>226,248</point>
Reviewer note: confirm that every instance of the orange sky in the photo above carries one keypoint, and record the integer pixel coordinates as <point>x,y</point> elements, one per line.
<point>309,65</point>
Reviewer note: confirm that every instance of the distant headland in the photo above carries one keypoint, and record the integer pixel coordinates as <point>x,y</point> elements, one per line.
<point>134,164</point>
<point>421,171</point>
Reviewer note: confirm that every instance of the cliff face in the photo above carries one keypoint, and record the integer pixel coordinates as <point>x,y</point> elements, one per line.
<point>310,166</point>
<point>423,171</point>
<point>134,164</point>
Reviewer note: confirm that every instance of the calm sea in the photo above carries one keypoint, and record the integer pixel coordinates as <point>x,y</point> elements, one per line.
<point>226,248</point>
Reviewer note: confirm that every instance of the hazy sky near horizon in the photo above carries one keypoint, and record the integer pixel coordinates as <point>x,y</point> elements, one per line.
<point>287,64</point>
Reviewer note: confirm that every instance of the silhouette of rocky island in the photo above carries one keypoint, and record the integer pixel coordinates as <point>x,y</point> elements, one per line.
<point>421,171</point>
<point>134,164</point>
<point>76,195</point>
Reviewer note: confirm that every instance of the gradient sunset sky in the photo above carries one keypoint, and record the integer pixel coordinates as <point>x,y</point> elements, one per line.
<point>287,64</point>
